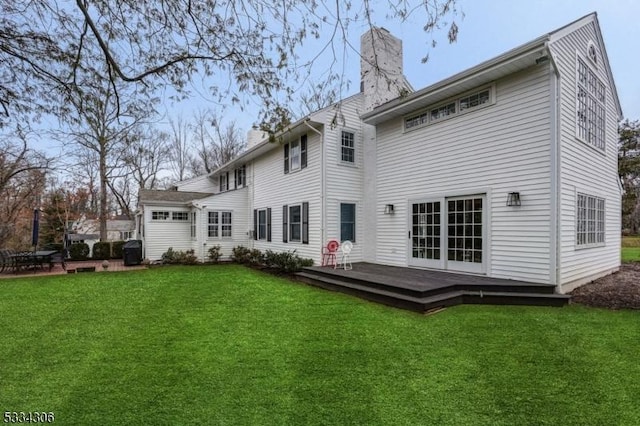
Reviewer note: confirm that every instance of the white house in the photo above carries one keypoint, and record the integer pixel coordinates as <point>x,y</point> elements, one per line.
<point>507,169</point>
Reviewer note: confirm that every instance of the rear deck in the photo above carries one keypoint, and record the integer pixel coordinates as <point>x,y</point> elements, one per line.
<point>423,290</point>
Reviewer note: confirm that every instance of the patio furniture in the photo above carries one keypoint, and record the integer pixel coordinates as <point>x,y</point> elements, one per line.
<point>329,253</point>
<point>6,261</point>
<point>345,249</point>
<point>32,259</point>
<point>59,257</point>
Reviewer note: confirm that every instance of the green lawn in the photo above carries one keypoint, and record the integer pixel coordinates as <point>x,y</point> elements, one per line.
<point>631,254</point>
<point>227,345</point>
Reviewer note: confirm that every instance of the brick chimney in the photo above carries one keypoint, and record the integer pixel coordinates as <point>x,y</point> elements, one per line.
<point>381,78</point>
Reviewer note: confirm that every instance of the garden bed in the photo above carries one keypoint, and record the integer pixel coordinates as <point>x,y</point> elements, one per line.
<point>616,291</point>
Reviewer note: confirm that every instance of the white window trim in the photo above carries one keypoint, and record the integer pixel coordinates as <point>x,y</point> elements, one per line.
<point>428,122</point>
<point>266,224</point>
<point>193,225</point>
<point>219,225</point>
<point>290,222</point>
<point>166,219</point>
<point>355,150</point>
<point>597,196</point>
<point>589,65</point>
<point>230,224</point>
<point>355,219</point>
<point>299,167</point>
<point>175,213</point>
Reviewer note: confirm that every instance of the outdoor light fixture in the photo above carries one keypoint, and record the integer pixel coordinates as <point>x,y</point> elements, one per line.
<point>513,199</point>
<point>388,209</point>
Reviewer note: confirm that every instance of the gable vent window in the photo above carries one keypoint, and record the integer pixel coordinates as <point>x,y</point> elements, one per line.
<point>590,107</point>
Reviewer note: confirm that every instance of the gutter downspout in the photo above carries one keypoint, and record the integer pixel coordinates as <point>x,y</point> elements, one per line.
<point>555,199</point>
<point>323,178</point>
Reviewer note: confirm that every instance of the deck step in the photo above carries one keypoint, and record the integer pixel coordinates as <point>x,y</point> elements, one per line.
<point>446,296</point>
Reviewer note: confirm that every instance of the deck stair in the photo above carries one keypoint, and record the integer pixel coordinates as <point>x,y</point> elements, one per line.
<point>423,290</point>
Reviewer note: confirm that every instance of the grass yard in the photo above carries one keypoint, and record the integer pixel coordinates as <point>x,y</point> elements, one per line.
<point>228,345</point>
<point>631,254</point>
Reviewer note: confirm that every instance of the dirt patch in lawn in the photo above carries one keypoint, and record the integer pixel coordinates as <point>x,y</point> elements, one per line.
<point>616,291</point>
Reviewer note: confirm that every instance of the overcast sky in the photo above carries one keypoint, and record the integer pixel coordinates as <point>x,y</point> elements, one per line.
<point>489,28</point>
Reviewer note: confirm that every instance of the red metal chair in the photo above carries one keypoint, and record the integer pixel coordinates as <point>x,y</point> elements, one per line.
<point>329,253</point>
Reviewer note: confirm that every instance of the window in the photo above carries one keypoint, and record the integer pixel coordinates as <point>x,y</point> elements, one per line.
<point>592,53</point>
<point>348,147</point>
<point>224,182</point>
<point>240,176</point>
<point>451,108</point>
<point>295,154</point>
<point>347,222</point>
<point>295,223</point>
<point>193,224</point>
<point>590,107</point>
<point>226,225</point>
<point>443,111</point>
<point>219,225</point>
<point>262,224</point>
<point>126,235</point>
<point>180,216</point>
<point>213,225</point>
<point>590,221</point>
<point>157,215</point>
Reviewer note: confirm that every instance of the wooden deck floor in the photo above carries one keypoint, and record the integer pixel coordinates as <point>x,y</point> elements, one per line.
<point>420,289</point>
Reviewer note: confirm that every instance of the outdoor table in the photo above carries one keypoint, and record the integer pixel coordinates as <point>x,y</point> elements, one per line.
<point>33,259</point>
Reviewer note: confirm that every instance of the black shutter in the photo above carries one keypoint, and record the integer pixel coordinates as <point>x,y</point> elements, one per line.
<point>269,224</point>
<point>228,186</point>
<point>286,158</point>
<point>235,178</point>
<point>303,151</point>
<point>285,224</point>
<point>305,223</point>
<point>255,224</point>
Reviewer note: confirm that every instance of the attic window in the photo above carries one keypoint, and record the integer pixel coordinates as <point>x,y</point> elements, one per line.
<point>592,53</point>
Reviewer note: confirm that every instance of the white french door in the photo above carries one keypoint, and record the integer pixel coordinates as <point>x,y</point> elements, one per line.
<point>448,233</point>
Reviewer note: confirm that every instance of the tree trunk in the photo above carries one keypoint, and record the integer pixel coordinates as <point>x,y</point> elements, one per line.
<point>103,189</point>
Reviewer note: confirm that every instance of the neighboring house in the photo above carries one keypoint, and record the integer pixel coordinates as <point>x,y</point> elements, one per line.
<point>87,231</point>
<point>507,169</point>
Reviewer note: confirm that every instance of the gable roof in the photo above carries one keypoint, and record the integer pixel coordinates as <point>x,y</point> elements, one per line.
<point>160,196</point>
<point>512,61</point>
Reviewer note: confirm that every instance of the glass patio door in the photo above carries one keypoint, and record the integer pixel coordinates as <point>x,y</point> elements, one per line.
<point>465,230</point>
<point>425,234</point>
<point>448,233</point>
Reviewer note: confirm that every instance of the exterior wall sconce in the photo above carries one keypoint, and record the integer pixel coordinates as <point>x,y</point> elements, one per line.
<point>513,199</point>
<point>388,209</point>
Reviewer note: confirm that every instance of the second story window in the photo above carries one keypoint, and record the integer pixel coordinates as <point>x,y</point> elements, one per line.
<point>224,182</point>
<point>295,154</point>
<point>347,147</point>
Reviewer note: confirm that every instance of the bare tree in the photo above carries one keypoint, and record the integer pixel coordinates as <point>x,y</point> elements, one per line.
<point>101,125</point>
<point>22,181</point>
<point>254,47</point>
<point>179,149</point>
<point>217,142</point>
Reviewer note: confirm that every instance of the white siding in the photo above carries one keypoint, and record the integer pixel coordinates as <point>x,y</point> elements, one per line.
<point>232,201</point>
<point>273,188</point>
<point>162,234</point>
<point>345,181</point>
<point>501,148</point>
<point>584,169</point>
<point>197,184</point>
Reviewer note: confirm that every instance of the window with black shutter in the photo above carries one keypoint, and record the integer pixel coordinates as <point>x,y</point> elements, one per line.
<point>305,223</point>
<point>269,224</point>
<point>286,158</point>
<point>285,223</point>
